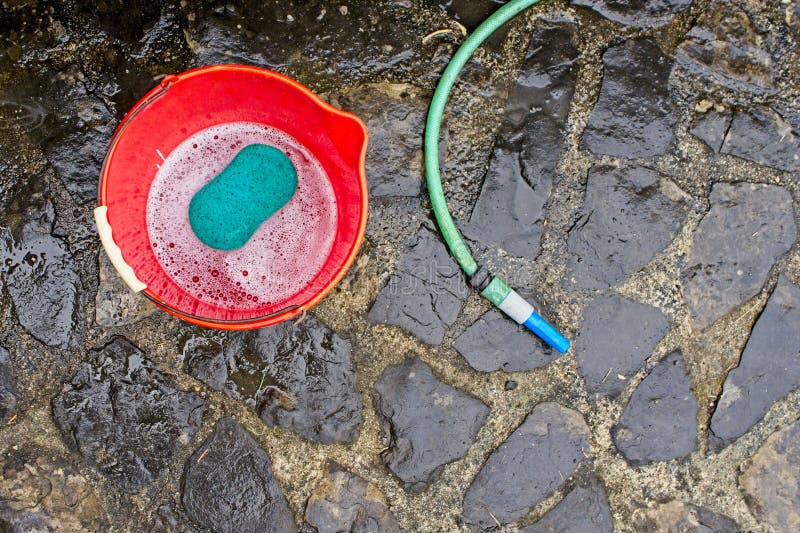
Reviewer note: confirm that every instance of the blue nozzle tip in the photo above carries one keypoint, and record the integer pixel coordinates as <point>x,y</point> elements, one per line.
<point>547,333</point>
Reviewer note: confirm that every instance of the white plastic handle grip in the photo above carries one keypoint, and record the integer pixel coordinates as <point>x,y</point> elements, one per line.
<point>113,251</point>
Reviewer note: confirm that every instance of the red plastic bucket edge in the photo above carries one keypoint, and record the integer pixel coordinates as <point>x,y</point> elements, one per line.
<point>286,314</point>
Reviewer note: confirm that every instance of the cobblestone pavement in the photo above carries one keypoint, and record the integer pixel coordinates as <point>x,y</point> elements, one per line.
<point>635,166</point>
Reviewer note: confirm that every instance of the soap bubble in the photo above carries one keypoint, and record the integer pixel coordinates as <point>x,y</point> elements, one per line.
<point>283,255</point>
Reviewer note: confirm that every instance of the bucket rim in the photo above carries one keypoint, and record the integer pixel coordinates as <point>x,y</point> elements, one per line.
<point>292,311</point>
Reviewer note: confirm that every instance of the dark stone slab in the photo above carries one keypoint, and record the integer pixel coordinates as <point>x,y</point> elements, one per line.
<point>425,294</point>
<point>162,48</point>
<point>495,342</point>
<point>660,421</point>
<point>121,414</point>
<point>40,491</point>
<point>470,13</point>
<point>634,116</point>
<point>626,219</point>
<point>395,117</point>
<point>115,304</point>
<point>585,508</point>
<point>22,520</point>
<point>615,338</point>
<point>42,277</point>
<point>792,18</point>
<point>297,376</point>
<point>78,158</point>
<point>789,110</point>
<point>763,136</point>
<point>723,48</point>
<point>78,146</point>
<point>352,42</point>
<point>769,367</point>
<point>229,487</point>
<point>747,228</point>
<point>509,212</point>
<point>346,502</point>
<point>166,520</point>
<point>426,423</point>
<point>637,13</point>
<point>686,518</point>
<point>163,37</point>
<point>771,480</point>
<point>205,360</point>
<point>711,128</point>
<point>532,462</point>
<point>126,25</point>
<point>8,387</point>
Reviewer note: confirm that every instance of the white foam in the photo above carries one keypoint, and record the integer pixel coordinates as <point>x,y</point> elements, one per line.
<point>281,257</point>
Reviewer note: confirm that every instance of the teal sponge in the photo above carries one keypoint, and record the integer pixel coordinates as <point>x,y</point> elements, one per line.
<point>226,212</point>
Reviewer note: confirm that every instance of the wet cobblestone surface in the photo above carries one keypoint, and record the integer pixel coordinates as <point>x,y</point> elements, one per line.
<point>634,166</point>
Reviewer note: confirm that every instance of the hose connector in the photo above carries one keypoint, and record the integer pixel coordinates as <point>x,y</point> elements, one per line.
<point>515,306</point>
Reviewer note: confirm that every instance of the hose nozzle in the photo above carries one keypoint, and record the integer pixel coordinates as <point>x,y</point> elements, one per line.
<point>515,306</point>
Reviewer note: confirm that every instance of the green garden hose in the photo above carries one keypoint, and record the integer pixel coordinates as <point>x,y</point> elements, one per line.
<point>492,287</point>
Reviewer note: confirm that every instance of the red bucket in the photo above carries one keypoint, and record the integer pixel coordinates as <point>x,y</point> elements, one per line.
<point>193,102</point>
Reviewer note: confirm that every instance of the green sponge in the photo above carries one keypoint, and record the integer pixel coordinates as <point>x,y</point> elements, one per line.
<point>226,212</point>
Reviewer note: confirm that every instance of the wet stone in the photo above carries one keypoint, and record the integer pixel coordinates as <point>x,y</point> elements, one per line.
<point>206,360</point>
<point>297,376</point>
<point>509,212</point>
<point>614,340</point>
<point>470,14</point>
<point>123,417</point>
<point>115,303</point>
<point>747,228</point>
<point>532,463</point>
<point>638,13</point>
<point>425,294</point>
<point>763,136</point>
<point>585,509</point>
<point>792,18</point>
<point>41,491</point>
<point>789,111</point>
<point>768,370</point>
<point>16,520</point>
<point>353,42</point>
<point>395,116</point>
<point>495,342</point>
<point>426,423</point>
<point>725,49</point>
<point>123,21</point>
<point>166,520</point>
<point>660,421</point>
<point>346,502</point>
<point>229,487</point>
<point>78,157</point>
<point>163,37</point>
<point>8,387</point>
<point>78,147</point>
<point>634,115</point>
<point>772,479</point>
<point>682,517</point>
<point>626,219</point>
<point>711,128</point>
<point>42,279</point>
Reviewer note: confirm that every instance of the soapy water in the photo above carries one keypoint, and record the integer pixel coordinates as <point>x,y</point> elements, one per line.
<point>282,256</point>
